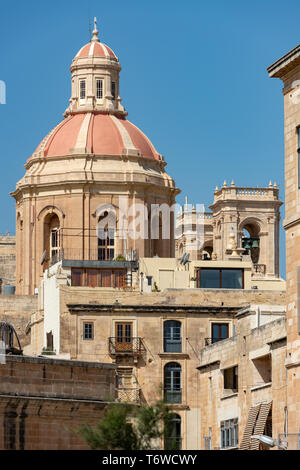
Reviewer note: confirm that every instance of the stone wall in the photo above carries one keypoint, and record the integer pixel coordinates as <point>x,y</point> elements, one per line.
<point>17,310</point>
<point>44,401</point>
<point>7,261</point>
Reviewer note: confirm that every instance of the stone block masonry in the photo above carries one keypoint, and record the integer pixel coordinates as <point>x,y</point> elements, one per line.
<point>43,402</point>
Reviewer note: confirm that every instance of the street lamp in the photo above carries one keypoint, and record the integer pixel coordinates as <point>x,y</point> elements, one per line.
<point>268,441</point>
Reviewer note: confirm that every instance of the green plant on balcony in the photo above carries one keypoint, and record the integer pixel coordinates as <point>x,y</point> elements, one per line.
<point>120,258</point>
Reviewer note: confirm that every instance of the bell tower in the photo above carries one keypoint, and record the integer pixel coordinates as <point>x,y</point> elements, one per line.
<point>253,216</point>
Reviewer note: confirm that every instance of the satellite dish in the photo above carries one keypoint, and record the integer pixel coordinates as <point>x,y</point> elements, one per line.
<point>186,258</point>
<point>43,258</point>
<point>182,259</point>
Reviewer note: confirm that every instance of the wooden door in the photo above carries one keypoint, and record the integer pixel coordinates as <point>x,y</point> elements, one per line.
<point>92,277</point>
<point>123,336</point>
<point>106,278</point>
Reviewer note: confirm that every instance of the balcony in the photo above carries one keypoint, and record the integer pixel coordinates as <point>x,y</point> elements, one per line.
<point>173,396</point>
<point>93,255</point>
<point>126,346</point>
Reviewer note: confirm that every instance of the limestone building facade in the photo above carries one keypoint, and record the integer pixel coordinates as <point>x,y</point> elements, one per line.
<point>287,69</point>
<point>155,315</point>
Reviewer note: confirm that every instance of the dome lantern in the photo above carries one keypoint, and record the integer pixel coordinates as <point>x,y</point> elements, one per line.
<point>95,79</point>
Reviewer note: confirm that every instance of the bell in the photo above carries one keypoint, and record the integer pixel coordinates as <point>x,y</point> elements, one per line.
<point>246,245</point>
<point>255,244</point>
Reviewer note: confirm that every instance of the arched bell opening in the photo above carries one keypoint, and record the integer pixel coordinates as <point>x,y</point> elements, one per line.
<point>251,240</point>
<point>207,251</point>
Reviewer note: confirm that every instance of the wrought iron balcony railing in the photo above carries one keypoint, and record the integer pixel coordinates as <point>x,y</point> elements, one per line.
<point>126,346</point>
<point>172,395</point>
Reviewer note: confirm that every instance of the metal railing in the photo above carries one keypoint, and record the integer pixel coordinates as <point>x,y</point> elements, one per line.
<point>172,395</point>
<point>131,346</point>
<point>93,254</point>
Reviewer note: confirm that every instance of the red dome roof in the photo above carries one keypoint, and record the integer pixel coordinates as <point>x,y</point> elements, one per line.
<point>101,134</point>
<point>95,49</point>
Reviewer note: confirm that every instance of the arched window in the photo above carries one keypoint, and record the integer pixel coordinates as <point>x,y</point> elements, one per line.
<point>172,432</point>
<point>172,336</point>
<point>52,240</point>
<point>172,382</point>
<point>106,238</point>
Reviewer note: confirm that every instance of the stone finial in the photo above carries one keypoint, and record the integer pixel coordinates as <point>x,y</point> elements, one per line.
<point>270,184</point>
<point>275,184</point>
<point>95,32</point>
<point>225,184</point>
<point>217,189</point>
<point>232,183</point>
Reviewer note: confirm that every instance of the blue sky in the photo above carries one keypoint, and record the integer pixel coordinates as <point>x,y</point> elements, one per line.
<point>194,80</point>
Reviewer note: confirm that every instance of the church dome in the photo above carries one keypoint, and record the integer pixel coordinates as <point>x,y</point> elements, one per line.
<point>95,49</point>
<point>95,121</point>
<point>99,134</point>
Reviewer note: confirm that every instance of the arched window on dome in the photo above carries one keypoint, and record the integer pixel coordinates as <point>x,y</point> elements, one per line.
<point>106,239</point>
<point>82,90</point>
<point>113,90</point>
<point>52,237</point>
<point>99,89</point>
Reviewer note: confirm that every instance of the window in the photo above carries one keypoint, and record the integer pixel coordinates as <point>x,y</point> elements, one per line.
<point>106,244</point>
<point>231,378</point>
<point>88,331</point>
<point>82,92</point>
<point>229,433</point>
<point>113,90</point>
<point>220,331</point>
<point>99,89</point>
<point>54,242</point>
<point>262,373</point>
<point>220,278</point>
<point>172,433</point>
<point>123,336</point>
<point>172,336</point>
<point>172,383</point>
